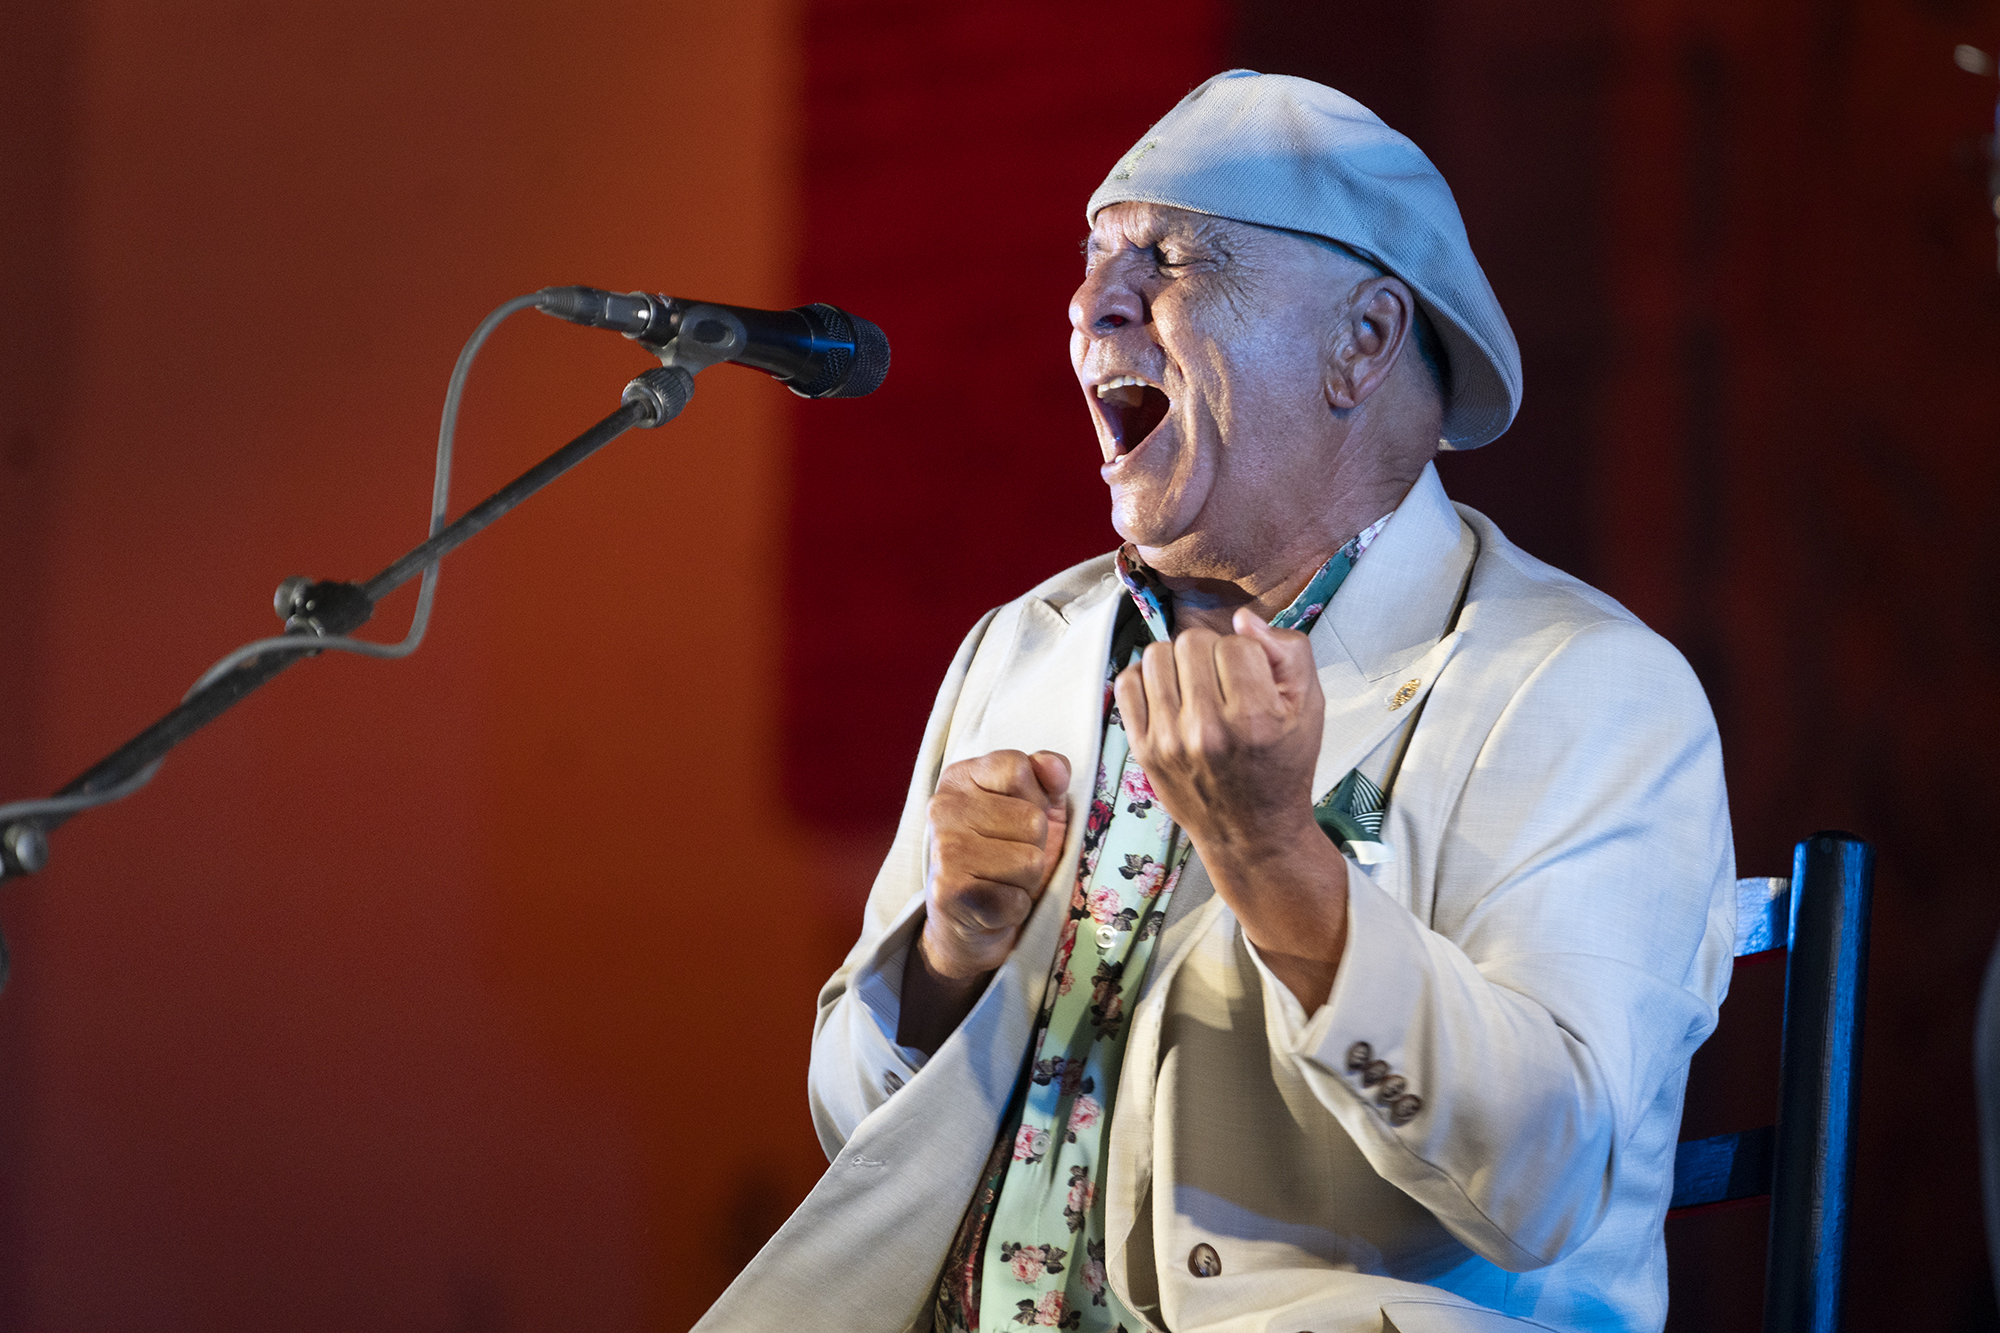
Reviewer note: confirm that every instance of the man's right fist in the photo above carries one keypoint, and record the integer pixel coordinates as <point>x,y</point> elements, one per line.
<point>996,831</point>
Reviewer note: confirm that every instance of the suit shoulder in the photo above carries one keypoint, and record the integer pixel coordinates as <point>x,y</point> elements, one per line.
<point>1531,619</point>
<point>1532,597</point>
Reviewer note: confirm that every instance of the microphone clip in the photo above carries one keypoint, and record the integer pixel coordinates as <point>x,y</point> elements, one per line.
<point>705,335</point>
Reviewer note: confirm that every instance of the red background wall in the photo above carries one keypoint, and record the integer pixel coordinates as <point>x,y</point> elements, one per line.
<point>473,991</point>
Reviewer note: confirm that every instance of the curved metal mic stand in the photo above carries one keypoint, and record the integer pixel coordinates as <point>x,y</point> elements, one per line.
<point>316,609</point>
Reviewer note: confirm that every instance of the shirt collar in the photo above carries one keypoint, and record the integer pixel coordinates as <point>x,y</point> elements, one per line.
<point>1155,600</point>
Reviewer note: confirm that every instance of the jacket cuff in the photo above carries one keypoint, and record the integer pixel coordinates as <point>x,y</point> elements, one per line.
<point>1361,1035</point>
<point>879,988</point>
<point>857,1064</point>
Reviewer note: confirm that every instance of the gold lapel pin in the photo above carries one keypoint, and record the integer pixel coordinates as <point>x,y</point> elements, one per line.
<point>1405,694</point>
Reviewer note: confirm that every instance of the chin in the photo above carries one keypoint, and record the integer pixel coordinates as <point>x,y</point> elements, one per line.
<point>1169,550</point>
<point>1158,495</point>
<point>1143,525</point>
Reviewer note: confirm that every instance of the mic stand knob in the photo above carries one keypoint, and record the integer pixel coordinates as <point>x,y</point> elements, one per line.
<point>660,393</point>
<point>318,606</point>
<point>26,846</point>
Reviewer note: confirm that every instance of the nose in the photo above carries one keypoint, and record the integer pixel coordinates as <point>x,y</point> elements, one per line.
<point>1106,301</point>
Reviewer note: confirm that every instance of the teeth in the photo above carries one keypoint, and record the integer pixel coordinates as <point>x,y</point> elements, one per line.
<point>1124,382</point>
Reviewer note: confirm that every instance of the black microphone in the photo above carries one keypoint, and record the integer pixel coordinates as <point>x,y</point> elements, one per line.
<point>816,351</point>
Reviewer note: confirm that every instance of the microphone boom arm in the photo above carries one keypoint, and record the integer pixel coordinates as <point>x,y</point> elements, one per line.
<point>314,609</point>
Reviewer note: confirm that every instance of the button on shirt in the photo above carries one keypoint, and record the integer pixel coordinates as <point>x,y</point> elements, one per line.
<point>1030,1251</point>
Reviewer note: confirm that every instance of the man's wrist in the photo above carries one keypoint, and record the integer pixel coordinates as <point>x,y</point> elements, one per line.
<point>942,969</point>
<point>1288,891</point>
<point>1275,843</point>
<point>934,1001</point>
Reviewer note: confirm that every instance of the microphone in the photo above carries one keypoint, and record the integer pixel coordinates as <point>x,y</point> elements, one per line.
<point>816,351</point>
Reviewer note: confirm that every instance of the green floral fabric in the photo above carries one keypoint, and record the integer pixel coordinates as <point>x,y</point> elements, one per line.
<point>1030,1251</point>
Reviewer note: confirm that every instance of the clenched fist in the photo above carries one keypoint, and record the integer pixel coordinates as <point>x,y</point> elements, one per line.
<point>996,831</point>
<point>1228,728</point>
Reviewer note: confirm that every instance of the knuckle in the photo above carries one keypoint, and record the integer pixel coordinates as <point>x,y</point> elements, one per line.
<point>952,864</point>
<point>989,909</point>
<point>1212,741</point>
<point>995,765</point>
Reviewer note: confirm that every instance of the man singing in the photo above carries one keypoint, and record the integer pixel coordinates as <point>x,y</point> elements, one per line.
<point>1302,918</point>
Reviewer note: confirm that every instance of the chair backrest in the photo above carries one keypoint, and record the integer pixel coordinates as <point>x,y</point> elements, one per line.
<point>1805,1162</point>
<point>1986,1083</point>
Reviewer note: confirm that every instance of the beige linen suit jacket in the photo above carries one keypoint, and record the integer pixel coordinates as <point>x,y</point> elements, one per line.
<point>1537,963</point>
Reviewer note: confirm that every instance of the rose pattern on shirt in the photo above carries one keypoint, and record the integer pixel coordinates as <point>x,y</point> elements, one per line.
<point>1094,826</point>
<point>1107,998</point>
<point>1106,909</point>
<point>1047,1312</point>
<point>1070,1075</point>
<point>1029,1262</point>
<point>1065,946</point>
<point>1137,791</point>
<point>1093,1273</point>
<point>1147,875</point>
<point>1082,1193</point>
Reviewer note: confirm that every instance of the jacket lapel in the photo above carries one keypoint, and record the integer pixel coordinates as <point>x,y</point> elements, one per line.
<point>1378,646</point>
<point>1050,691</point>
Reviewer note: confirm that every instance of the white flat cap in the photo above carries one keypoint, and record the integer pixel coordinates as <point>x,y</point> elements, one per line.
<point>1283,152</point>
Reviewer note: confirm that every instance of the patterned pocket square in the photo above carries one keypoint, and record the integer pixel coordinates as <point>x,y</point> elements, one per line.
<point>1351,815</point>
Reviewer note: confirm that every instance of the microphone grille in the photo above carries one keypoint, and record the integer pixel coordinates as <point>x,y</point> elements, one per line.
<point>845,375</point>
<point>871,360</point>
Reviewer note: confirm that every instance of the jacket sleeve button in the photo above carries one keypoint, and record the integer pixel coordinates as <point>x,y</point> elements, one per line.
<point>1203,1261</point>
<point>1376,1071</point>
<point>1359,1054</point>
<point>1392,1087</point>
<point>1404,1109</point>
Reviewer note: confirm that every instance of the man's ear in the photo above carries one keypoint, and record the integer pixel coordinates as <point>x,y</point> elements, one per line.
<point>1367,341</point>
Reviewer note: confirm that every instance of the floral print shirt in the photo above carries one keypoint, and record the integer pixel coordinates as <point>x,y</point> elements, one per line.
<point>1030,1252</point>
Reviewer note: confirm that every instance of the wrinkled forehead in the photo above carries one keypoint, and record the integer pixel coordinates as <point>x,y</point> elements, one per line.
<point>1141,225</point>
<point>1145,219</point>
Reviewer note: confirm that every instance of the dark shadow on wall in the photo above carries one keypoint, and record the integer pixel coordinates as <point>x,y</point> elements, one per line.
<point>37,60</point>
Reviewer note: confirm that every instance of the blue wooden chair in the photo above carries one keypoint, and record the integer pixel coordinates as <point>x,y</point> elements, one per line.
<point>1806,1161</point>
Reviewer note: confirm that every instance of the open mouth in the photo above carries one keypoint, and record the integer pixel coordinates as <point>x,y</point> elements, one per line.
<point>1131,408</point>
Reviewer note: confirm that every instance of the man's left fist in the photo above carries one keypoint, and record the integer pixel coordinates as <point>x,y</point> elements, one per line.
<point>1228,729</point>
